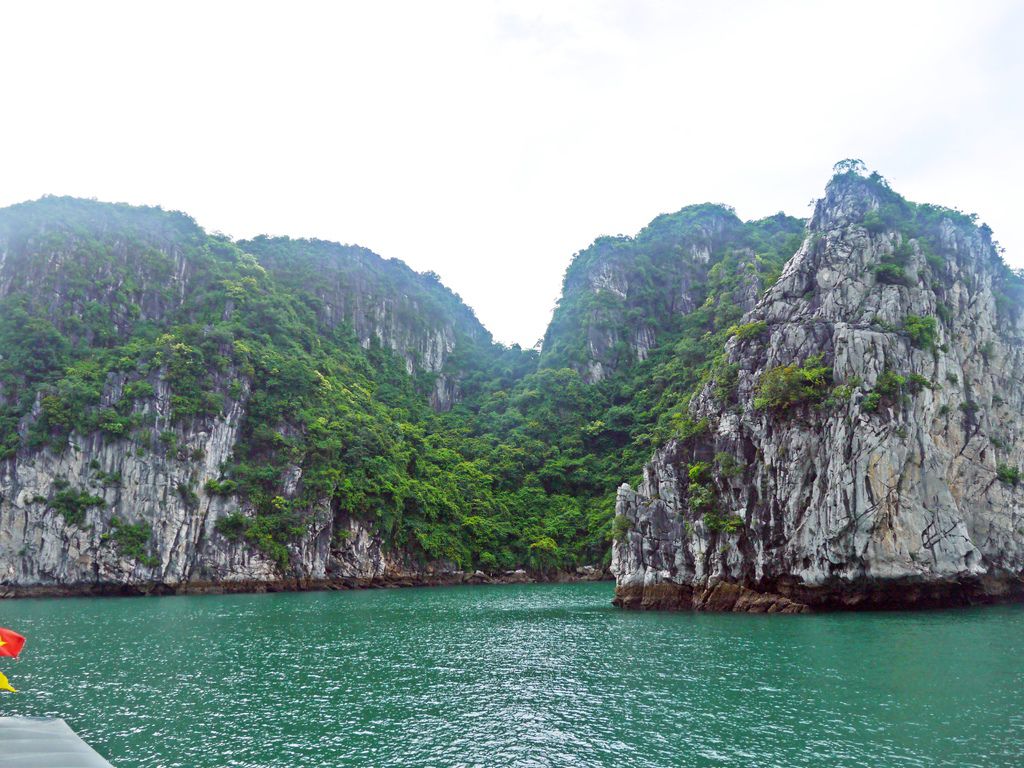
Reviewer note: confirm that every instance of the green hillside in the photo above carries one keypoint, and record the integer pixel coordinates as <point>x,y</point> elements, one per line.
<point>133,325</point>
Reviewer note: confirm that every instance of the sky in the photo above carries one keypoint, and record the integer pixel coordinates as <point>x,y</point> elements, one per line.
<point>490,141</point>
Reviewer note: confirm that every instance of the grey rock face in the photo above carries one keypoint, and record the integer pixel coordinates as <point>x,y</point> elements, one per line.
<point>854,497</point>
<point>608,301</point>
<point>161,485</point>
<point>383,302</point>
<point>165,489</point>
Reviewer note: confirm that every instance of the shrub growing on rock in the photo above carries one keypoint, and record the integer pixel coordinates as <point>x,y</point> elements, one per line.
<point>917,383</point>
<point>748,330</point>
<point>72,504</point>
<point>887,388</point>
<point>922,331</point>
<point>787,386</point>
<point>1008,474</point>
<point>723,523</point>
<point>621,525</point>
<point>232,527</point>
<point>892,274</point>
<point>132,539</point>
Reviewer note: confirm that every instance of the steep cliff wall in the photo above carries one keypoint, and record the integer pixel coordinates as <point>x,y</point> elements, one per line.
<point>383,302</point>
<point>164,402</point>
<point>623,295</point>
<point>182,412</point>
<point>107,515</point>
<point>866,451</point>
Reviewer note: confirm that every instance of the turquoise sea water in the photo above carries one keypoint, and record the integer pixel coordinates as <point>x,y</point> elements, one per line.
<point>533,675</point>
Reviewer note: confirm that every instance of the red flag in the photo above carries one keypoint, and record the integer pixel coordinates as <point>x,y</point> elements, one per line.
<point>11,643</point>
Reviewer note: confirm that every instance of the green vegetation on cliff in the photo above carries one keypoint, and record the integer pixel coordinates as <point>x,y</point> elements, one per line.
<point>363,390</point>
<point>132,324</point>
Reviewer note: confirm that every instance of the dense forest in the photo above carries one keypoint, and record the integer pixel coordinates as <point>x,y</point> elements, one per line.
<point>335,355</point>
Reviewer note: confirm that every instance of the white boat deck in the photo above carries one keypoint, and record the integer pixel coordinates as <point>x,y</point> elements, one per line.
<point>36,742</point>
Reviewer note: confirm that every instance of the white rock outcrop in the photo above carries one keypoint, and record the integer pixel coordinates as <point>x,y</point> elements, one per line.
<point>852,498</point>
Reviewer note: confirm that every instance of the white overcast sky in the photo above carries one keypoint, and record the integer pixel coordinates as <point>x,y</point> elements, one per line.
<point>489,141</point>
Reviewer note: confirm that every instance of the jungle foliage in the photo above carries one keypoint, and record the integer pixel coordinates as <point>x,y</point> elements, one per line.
<point>119,308</point>
<point>521,472</point>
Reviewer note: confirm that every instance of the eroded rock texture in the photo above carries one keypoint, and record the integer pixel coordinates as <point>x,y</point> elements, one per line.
<point>887,483</point>
<point>623,296</point>
<point>61,504</point>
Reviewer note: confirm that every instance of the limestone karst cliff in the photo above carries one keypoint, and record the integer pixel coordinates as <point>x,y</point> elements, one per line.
<point>383,301</point>
<point>859,443</point>
<point>182,411</point>
<point>162,391</point>
<point>623,296</point>
<point>834,409</point>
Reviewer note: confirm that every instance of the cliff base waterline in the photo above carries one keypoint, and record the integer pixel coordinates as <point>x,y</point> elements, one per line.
<point>252,586</point>
<point>787,597</point>
<point>519,674</point>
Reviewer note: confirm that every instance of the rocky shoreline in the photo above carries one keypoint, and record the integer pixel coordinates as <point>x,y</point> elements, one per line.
<point>782,597</point>
<point>253,586</point>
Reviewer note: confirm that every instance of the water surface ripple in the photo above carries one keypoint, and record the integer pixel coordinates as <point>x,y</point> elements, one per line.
<point>532,675</point>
